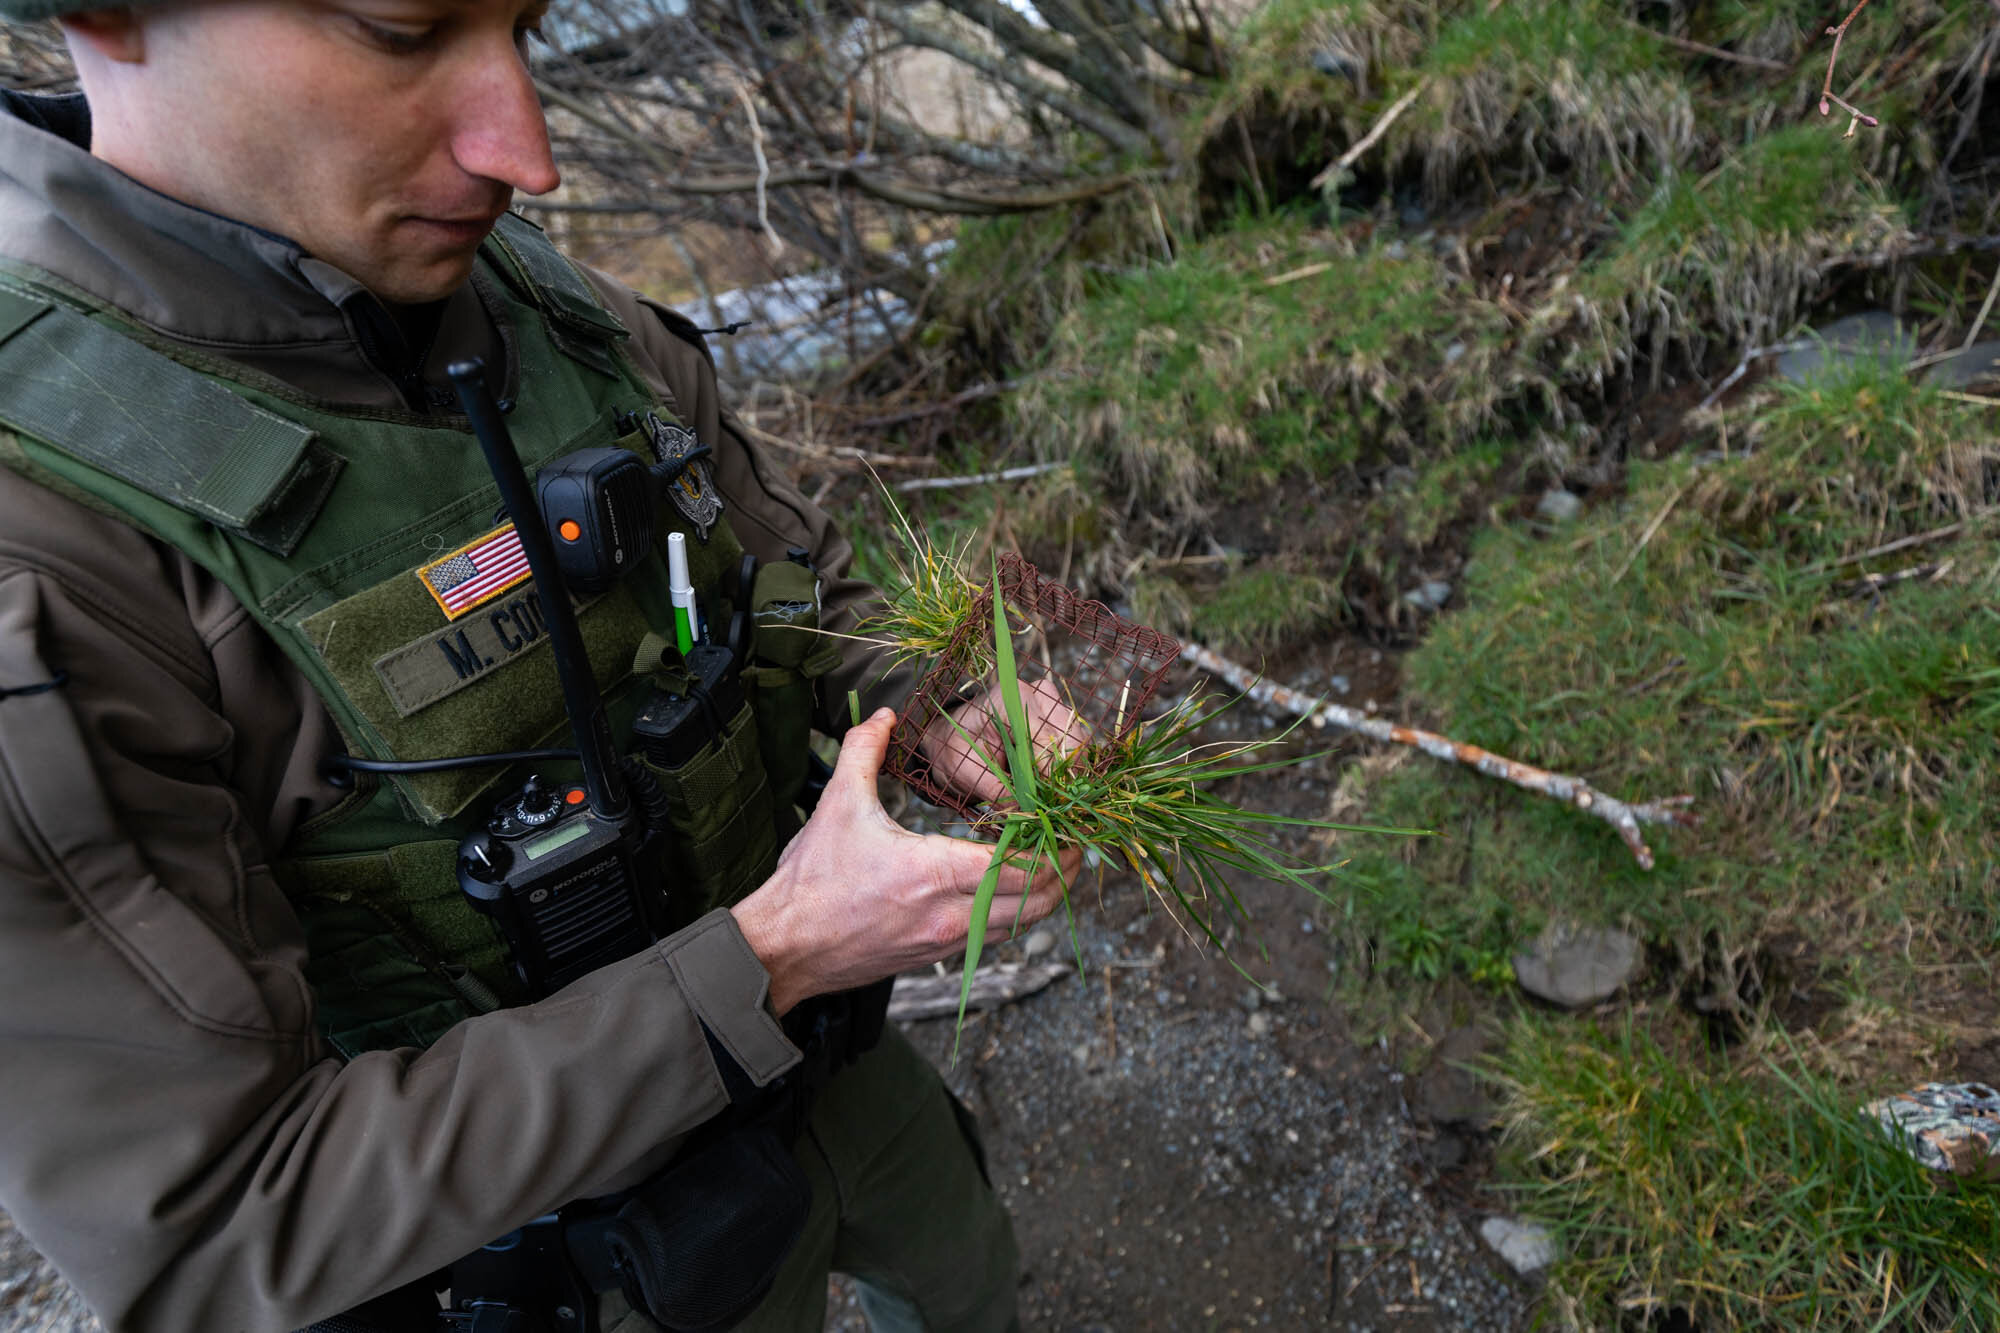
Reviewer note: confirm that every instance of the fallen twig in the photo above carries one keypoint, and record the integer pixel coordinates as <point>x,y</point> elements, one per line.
<point>1985,309</point>
<point>960,399</point>
<point>1869,583</point>
<point>1743,368</point>
<point>921,997</point>
<point>1826,93</point>
<point>1949,530</point>
<point>1704,49</point>
<point>981,478</point>
<point>1621,815</point>
<point>1367,141</point>
<point>1652,531</point>
<point>835,452</point>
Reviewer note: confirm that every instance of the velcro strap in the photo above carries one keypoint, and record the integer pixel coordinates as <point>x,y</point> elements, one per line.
<point>559,288</point>
<point>107,400</point>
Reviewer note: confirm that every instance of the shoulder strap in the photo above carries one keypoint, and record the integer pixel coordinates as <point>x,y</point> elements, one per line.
<point>107,400</point>
<point>580,324</point>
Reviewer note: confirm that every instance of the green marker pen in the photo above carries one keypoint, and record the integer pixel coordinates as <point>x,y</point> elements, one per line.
<point>681,588</point>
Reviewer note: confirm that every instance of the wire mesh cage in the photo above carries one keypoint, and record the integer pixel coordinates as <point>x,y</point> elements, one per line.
<point>1087,675</point>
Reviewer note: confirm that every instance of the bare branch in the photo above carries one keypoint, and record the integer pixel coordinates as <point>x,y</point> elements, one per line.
<point>1623,816</point>
<point>1114,132</point>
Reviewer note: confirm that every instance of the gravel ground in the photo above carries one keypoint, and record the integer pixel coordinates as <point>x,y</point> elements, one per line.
<point>1176,1159</point>
<point>32,1298</point>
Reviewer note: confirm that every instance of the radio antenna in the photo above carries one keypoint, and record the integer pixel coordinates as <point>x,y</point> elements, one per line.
<point>602,782</point>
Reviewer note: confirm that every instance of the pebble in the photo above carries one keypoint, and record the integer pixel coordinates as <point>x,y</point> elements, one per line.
<point>1871,335</point>
<point>1578,967</point>
<point>1558,506</point>
<point>1041,940</point>
<point>1977,365</point>
<point>1430,595</point>
<point>1260,1024</point>
<point>1527,1247</point>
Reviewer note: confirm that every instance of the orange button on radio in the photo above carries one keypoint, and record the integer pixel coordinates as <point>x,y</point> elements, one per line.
<point>570,530</point>
<point>574,796</point>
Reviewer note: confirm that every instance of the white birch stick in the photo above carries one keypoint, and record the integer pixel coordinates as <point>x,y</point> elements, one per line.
<point>1621,815</point>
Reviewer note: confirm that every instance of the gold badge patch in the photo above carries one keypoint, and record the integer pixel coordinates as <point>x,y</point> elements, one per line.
<point>476,572</point>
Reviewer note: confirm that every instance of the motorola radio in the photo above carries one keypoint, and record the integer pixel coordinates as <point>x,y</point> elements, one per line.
<point>561,868</point>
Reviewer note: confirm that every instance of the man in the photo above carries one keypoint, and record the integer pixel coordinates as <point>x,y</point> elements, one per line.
<point>255,1073</point>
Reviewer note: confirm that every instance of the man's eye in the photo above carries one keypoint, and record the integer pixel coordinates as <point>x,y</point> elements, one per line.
<point>397,39</point>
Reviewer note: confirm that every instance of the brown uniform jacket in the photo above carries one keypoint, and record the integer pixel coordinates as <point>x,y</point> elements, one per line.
<point>172,1133</point>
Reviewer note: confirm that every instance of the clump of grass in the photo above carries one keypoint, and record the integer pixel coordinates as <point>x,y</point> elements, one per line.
<point>928,596</point>
<point>1753,1198</point>
<point>1735,254</point>
<point>1261,356</point>
<point>1541,82</point>
<point>1137,798</point>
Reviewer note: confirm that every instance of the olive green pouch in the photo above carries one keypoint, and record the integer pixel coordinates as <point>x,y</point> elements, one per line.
<point>789,655</point>
<point>718,806</point>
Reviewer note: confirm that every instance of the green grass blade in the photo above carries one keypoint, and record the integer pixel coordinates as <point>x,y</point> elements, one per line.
<point>975,934</point>
<point>1019,745</point>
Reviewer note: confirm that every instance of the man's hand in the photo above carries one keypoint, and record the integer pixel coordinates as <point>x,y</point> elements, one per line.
<point>856,897</point>
<point>1053,726</point>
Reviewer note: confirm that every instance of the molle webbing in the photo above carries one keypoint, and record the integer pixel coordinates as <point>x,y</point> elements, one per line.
<point>105,399</point>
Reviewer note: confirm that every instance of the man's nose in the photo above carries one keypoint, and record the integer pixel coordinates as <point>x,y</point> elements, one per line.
<point>501,132</point>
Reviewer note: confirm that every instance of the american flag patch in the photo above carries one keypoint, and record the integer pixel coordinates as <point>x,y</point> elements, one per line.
<point>477,572</point>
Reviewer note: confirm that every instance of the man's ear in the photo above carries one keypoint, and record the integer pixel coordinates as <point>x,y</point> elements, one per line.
<point>114,34</point>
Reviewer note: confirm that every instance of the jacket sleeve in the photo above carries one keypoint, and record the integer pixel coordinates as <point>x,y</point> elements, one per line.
<point>765,507</point>
<point>175,1138</point>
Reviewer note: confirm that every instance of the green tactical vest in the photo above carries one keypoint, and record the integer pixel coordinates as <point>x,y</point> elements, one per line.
<point>324,525</point>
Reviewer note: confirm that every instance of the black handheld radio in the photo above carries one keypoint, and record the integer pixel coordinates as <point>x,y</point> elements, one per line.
<point>561,869</point>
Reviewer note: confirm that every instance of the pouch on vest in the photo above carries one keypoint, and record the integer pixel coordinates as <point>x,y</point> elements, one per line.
<point>788,656</point>
<point>699,740</point>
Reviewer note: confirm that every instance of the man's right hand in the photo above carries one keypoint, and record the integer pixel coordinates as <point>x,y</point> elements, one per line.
<point>856,897</point>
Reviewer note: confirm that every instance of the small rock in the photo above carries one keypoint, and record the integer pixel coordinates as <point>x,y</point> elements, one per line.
<point>1558,506</point>
<point>1447,1093</point>
<point>1336,62</point>
<point>1260,1024</point>
<point>1453,353</point>
<point>1526,1247</point>
<point>1430,595</point>
<point>1577,968</point>
<point>1041,940</point>
<point>1871,335</point>
<point>1976,365</point>
<point>1081,1054</point>
<point>1340,684</point>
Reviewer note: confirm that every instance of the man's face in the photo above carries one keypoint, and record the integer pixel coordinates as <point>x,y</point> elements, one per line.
<point>384,136</point>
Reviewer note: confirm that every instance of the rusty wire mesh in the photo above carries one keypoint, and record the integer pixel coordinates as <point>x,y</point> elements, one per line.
<point>1094,670</point>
